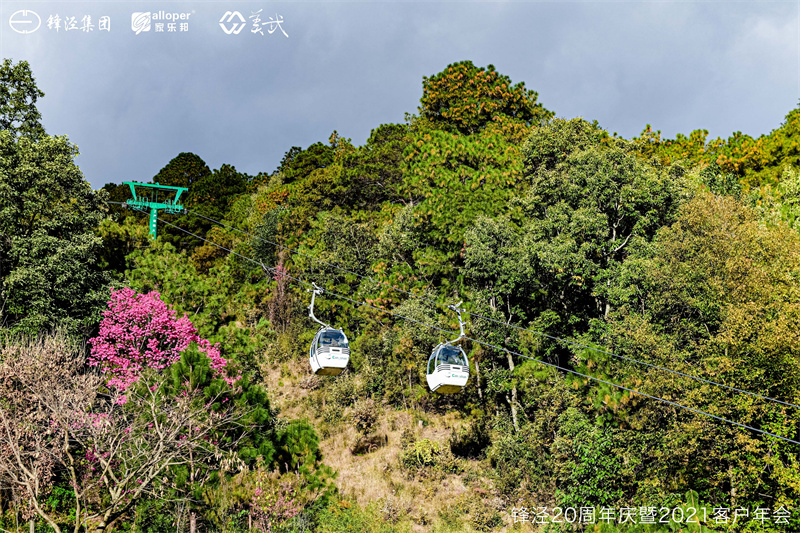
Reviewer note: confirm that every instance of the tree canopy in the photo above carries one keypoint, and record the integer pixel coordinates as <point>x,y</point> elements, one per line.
<point>49,271</point>
<point>18,97</point>
<point>466,98</point>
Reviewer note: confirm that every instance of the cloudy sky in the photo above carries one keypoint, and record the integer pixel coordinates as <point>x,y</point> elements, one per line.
<point>133,101</point>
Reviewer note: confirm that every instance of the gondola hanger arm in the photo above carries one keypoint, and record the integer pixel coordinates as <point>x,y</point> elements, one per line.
<point>314,292</point>
<point>460,321</point>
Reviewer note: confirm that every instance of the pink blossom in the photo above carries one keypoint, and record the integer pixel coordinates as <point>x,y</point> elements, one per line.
<point>140,331</point>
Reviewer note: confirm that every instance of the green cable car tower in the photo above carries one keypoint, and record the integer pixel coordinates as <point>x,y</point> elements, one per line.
<point>148,198</point>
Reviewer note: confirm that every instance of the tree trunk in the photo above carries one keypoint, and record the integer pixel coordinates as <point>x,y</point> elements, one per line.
<point>478,379</point>
<point>178,517</point>
<point>513,400</point>
<point>50,522</point>
<point>192,522</point>
<point>32,525</point>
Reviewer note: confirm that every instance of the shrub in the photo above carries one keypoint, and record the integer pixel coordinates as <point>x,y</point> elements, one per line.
<point>343,391</point>
<point>471,441</point>
<point>365,414</point>
<point>347,517</point>
<point>420,454</point>
<point>423,455</point>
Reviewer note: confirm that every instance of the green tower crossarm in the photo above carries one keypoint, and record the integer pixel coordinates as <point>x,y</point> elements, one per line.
<point>150,200</point>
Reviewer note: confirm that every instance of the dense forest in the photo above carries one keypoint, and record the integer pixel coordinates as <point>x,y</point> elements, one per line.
<point>632,317</point>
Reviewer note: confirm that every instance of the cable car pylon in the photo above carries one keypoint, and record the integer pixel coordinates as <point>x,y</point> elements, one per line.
<point>148,198</point>
<point>448,365</point>
<point>330,351</point>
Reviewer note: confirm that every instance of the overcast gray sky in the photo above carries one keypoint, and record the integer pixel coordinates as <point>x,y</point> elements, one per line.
<point>133,101</point>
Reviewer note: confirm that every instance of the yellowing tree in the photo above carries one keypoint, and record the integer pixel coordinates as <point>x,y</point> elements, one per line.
<point>466,98</point>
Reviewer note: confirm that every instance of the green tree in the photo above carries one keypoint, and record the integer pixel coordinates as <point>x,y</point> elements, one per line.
<point>452,178</point>
<point>222,308</point>
<point>49,269</point>
<point>716,295</point>
<point>782,150</point>
<point>18,96</point>
<point>119,241</point>
<point>266,235</point>
<point>118,192</point>
<point>588,468</point>
<point>214,193</point>
<point>582,215</point>
<point>184,170</point>
<point>297,164</point>
<point>500,287</point>
<point>371,174</point>
<point>464,98</point>
<point>162,268</point>
<point>753,161</point>
<point>211,195</point>
<point>232,447</point>
<point>313,177</point>
<point>780,202</point>
<point>550,145</point>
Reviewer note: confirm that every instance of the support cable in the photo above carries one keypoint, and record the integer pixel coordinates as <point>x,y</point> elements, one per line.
<point>504,324</point>
<point>492,346</point>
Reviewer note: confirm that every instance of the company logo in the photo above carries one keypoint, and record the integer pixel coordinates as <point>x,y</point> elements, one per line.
<point>140,22</point>
<point>25,21</point>
<point>160,22</point>
<point>163,15</point>
<point>229,25</point>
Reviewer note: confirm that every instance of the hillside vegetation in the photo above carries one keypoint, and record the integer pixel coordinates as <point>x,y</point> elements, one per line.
<point>163,385</point>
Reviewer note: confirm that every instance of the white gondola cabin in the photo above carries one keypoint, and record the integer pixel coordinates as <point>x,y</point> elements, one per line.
<point>329,352</point>
<point>448,366</point>
<point>448,369</point>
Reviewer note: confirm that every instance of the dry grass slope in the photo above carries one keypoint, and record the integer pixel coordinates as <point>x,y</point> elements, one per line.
<point>456,496</point>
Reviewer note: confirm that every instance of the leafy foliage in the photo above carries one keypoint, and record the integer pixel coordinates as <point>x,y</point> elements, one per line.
<point>453,178</point>
<point>297,164</point>
<point>588,469</point>
<point>583,215</point>
<point>716,297</point>
<point>49,268</point>
<point>18,96</point>
<point>756,162</point>
<point>682,253</point>
<point>465,98</point>
<point>184,170</point>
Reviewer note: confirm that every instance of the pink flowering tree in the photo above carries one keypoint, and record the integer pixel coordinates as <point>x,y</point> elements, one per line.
<point>140,331</point>
<point>55,420</point>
